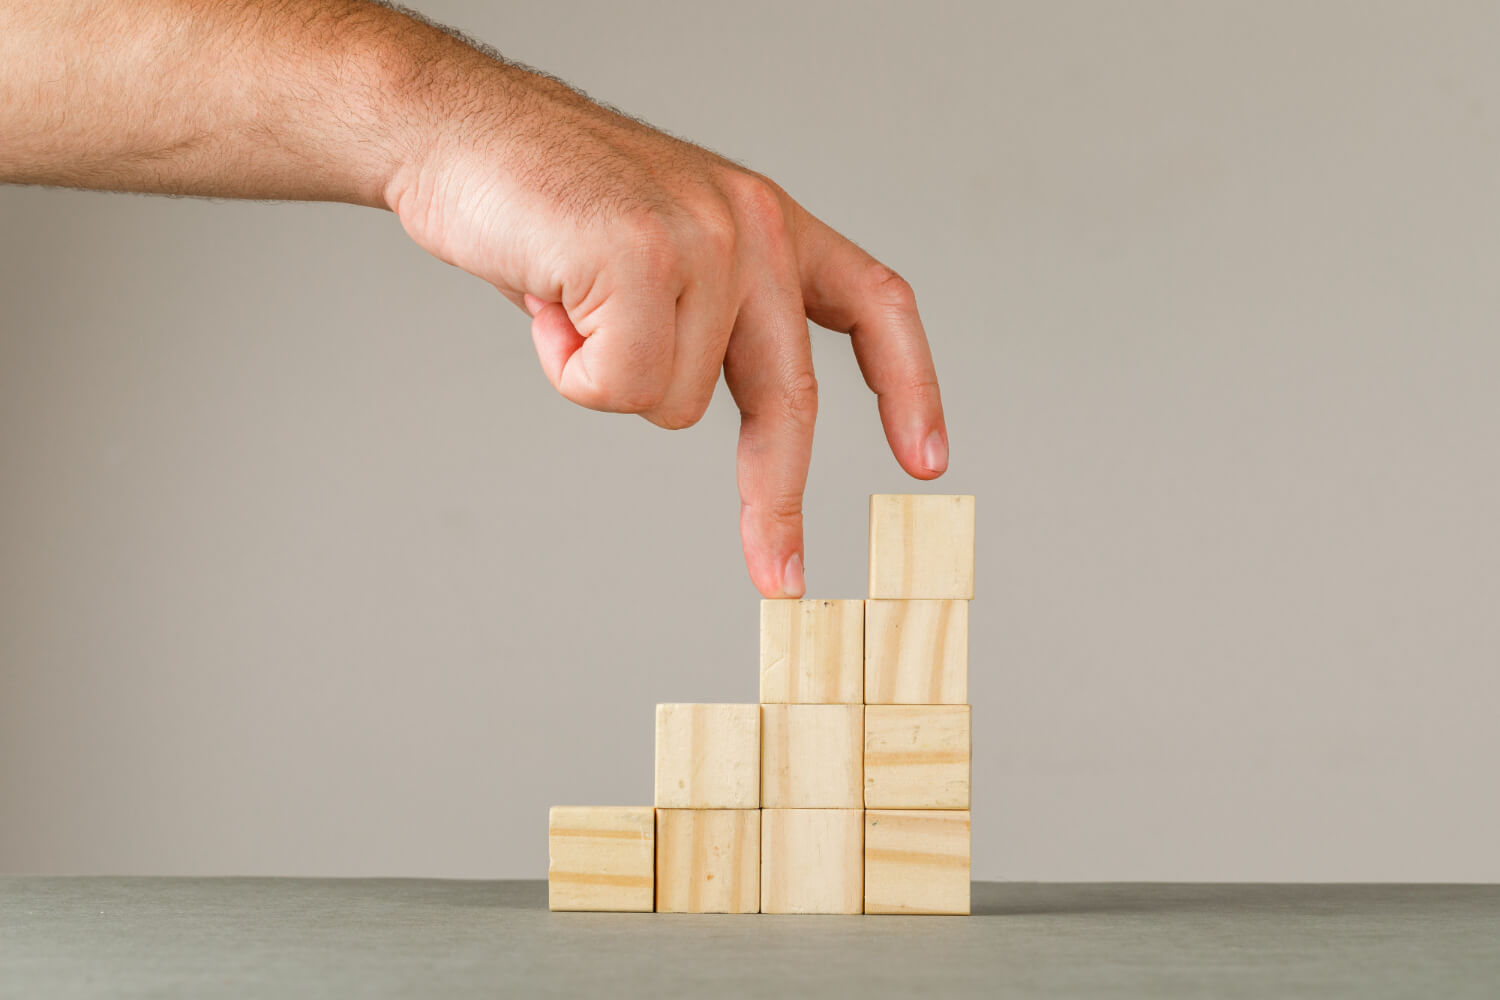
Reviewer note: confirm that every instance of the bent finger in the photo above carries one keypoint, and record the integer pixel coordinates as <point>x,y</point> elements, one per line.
<point>704,325</point>
<point>847,290</point>
<point>616,355</point>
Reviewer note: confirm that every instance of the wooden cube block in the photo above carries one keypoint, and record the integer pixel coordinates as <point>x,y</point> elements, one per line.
<point>707,756</point>
<point>916,861</point>
<point>922,546</point>
<point>601,858</point>
<point>812,756</point>
<point>812,652</point>
<point>707,860</point>
<point>917,652</point>
<point>812,861</point>
<point>916,756</point>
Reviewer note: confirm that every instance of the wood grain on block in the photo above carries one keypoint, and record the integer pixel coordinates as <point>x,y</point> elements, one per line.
<point>916,861</point>
<point>812,652</point>
<point>917,756</point>
<point>708,756</point>
<point>707,860</point>
<point>601,858</point>
<point>921,546</point>
<point>812,860</point>
<point>812,756</point>
<point>916,652</point>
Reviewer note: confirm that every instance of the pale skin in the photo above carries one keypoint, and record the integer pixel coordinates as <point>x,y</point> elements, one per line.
<point>648,265</point>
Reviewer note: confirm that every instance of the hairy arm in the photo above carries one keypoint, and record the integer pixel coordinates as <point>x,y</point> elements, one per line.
<point>649,266</point>
<point>229,98</point>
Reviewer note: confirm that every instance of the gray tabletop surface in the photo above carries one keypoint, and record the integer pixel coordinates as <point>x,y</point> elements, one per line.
<point>211,937</point>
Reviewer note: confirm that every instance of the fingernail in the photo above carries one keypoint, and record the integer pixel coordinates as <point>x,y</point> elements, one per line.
<point>935,452</point>
<point>792,584</point>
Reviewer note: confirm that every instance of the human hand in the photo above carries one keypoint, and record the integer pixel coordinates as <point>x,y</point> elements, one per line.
<point>649,264</point>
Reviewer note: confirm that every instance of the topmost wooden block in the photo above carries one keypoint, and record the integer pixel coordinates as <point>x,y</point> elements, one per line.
<point>922,546</point>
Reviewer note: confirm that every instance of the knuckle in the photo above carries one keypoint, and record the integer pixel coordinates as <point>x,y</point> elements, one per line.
<point>782,505</point>
<point>677,418</point>
<point>646,225</point>
<point>890,289</point>
<point>799,398</point>
<point>759,203</point>
<point>620,392</point>
<point>642,401</point>
<point>922,387</point>
<point>642,397</point>
<point>785,506</point>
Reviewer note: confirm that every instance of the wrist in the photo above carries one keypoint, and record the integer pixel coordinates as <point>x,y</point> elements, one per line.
<point>440,101</point>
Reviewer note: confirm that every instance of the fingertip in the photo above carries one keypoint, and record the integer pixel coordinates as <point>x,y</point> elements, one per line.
<point>534,305</point>
<point>935,453</point>
<point>779,581</point>
<point>773,555</point>
<point>792,584</point>
<point>921,454</point>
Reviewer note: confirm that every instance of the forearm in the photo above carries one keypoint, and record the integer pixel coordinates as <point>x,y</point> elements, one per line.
<point>313,99</point>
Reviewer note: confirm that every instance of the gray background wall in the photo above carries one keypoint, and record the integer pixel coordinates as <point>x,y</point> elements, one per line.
<point>304,569</point>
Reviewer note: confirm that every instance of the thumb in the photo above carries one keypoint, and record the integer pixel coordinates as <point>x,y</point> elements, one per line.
<point>555,337</point>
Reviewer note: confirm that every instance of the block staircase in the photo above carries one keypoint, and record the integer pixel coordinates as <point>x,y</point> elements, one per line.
<point>846,790</point>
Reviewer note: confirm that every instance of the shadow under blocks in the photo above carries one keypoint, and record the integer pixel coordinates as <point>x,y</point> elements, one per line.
<point>845,790</point>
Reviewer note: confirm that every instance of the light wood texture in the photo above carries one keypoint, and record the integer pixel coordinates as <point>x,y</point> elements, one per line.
<point>708,756</point>
<point>601,858</point>
<point>917,756</point>
<point>812,861</point>
<point>916,652</point>
<point>921,546</point>
<point>707,860</point>
<point>812,756</point>
<point>916,861</point>
<point>812,652</point>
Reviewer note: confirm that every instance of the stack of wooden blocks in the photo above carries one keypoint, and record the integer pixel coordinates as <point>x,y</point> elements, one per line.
<point>846,790</point>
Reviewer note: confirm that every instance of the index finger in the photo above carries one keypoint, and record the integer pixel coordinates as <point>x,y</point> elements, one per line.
<point>847,290</point>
